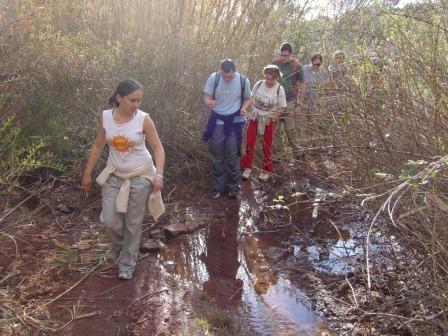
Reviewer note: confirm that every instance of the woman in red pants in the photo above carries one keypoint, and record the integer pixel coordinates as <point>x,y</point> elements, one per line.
<point>268,102</point>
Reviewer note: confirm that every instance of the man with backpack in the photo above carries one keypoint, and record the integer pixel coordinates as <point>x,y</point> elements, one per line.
<point>227,94</point>
<point>294,85</point>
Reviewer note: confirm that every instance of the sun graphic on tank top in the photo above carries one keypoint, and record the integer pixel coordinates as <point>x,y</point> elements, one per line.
<point>121,143</point>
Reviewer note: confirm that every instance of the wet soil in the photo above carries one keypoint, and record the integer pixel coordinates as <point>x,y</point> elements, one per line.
<point>260,265</point>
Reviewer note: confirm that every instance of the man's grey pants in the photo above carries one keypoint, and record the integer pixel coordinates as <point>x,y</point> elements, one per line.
<point>295,129</point>
<point>124,229</point>
<point>223,154</point>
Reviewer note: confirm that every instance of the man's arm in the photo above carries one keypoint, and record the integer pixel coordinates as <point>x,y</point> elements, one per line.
<point>246,104</point>
<point>210,102</point>
<point>209,89</point>
<point>247,99</point>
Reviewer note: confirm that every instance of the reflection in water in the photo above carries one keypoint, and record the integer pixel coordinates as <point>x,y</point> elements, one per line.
<point>293,308</point>
<point>237,272</point>
<point>282,310</point>
<point>329,249</point>
<point>274,305</point>
<point>184,258</point>
<point>253,253</point>
<point>258,266</point>
<point>222,259</point>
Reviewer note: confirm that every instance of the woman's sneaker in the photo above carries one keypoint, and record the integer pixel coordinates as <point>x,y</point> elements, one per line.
<point>246,173</point>
<point>264,176</point>
<point>125,275</point>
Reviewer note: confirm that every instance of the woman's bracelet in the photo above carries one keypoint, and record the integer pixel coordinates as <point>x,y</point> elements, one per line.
<point>160,176</point>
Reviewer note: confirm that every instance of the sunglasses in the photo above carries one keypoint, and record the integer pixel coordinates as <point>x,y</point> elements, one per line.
<point>317,64</point>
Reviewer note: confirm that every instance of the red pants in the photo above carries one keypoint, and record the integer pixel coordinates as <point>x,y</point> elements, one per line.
<point>251,136</point>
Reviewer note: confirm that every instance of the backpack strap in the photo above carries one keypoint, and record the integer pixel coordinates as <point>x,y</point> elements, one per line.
<point>259,83</point>
<point>217,76</point>
<point>256,87</point>
<point>243,87</point>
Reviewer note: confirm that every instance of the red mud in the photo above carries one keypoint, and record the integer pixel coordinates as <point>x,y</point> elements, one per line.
<point>199,276</point>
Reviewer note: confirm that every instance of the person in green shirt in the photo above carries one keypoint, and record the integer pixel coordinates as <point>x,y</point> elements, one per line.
<point>294,85</point>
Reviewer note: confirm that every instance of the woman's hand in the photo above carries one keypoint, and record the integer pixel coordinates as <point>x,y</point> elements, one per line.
<point>157,183</point>
<point>94,154</point>
<point>159,154</point>
<point>86,182</point>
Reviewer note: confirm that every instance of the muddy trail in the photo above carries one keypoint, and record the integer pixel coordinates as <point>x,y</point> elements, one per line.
<point>281,260</point>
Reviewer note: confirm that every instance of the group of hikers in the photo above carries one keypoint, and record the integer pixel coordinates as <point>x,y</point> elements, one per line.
<point>286,94</point>
<point>132,180</point>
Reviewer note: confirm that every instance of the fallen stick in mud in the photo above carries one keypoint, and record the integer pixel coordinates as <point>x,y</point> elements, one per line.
<point>257,232</point>
<point>178,229</point>
<point>147,294</point>
<point>72,287</point>
<point>152,246</point>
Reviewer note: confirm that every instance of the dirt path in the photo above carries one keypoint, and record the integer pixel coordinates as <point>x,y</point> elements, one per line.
<point>252,268</point>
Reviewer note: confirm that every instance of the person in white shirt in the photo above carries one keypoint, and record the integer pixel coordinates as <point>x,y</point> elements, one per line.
<point>268,102</point>
<point>315,76</point>
<point>339,68</point>
<point>130,175</point>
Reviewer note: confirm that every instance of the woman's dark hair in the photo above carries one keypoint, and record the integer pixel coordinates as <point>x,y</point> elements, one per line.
<point>124,88</point>
<point>228,65</point>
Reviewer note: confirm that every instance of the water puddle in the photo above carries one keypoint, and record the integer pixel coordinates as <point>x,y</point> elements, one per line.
<point>328,249</point>
<point>232,261</point>
<point>278,307</point>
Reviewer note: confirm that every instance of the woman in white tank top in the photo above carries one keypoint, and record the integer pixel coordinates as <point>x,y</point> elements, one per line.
<point>130,172</point>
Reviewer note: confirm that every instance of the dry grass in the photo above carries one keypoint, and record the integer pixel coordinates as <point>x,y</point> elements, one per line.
<point>60,61</point>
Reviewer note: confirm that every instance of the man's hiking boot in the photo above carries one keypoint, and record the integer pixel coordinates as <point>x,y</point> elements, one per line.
<point>234,194</point>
